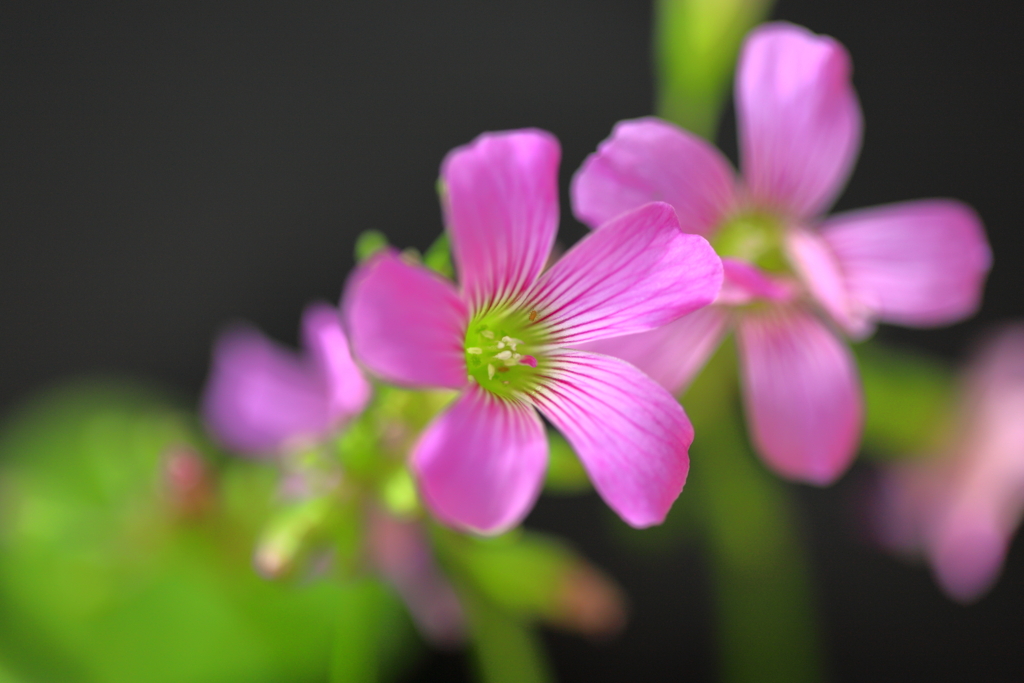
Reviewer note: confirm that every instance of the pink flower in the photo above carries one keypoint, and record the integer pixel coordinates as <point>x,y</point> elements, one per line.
<point>503,336</point>
<point>962,508</point>
<point>261,399</point>
<point>917,263</point>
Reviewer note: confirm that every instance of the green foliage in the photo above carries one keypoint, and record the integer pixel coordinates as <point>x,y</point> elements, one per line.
<point>439,257</point>
<point>910,401</point>
<point>106,578</point>
<point>369,243</point>
<point>565,471</point>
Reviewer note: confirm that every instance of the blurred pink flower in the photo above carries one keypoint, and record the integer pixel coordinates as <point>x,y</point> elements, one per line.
<point>261,398</point>
<point>917,263</point>
<point>503,336</point>
<point>961,508</point>
<point>401,553</point>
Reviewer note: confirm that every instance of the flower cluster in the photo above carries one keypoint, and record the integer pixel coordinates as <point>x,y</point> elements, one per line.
<point>600,341</point>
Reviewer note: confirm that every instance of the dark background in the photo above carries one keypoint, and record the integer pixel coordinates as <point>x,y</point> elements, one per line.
<point>168,167</point>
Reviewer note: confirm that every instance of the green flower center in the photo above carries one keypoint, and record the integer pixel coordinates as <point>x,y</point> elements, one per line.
<point>504,351</point>
<point>755,238</point>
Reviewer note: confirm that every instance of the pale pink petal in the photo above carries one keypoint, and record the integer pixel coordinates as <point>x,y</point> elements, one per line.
<point>968,551</point>
<point>917,263</point>
<point>744,283</point>
<point>406,323</point>
<point>481,463</point>
<point>631,435</point>
<point>799,119</point>
<point>819,269</point>
<point>650,160</point>
<point>500,199</point>
<point>636,273</point>
<point>347,389</point>
<point>672,354</point>
<point>401,551</point>
<point>801,392</point>
<point>260,397</point>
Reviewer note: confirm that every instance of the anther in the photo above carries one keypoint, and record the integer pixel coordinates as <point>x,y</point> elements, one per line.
<point>487,334</point>
<point>504,355</point>
<point>490,371</point>
<point>475,350</point>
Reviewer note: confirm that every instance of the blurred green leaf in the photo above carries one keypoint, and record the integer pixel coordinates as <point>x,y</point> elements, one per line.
<point>565,471</point>
<point>369,243</point>
<point>439,257</point>
<point>506,651</point>
<point>695,46</point>
<point>104,579</point>
<point>910,401</point>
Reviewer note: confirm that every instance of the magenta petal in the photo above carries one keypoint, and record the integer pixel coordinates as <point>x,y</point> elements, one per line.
<point>802,394</point>
<point>917,263</point>
<point>672,354</point>
<point>631,435</point>
<point>820,271</point>
<point>406,323</point>
<point>260,397</point>
<point>347,389</point>
<point>500,201</point>
<point>650,160</point>
<point>480,465</point>
<point>799,120</point>
<point>636,273</point>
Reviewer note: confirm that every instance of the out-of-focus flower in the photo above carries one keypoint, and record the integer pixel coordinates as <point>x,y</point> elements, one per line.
<point>400,551</point>
<point>503,338</point>
<point>962,507</point>
<point>262,399</point>
<point>918,263</point>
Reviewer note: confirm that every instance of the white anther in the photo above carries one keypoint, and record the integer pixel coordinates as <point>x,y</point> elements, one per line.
<point>475,350</point>
<point>490,371</point>
<point>504,355</point>
<point>506,338</point>
<point>487,334</point>
<point>501,345</point>
<point>516,341</point>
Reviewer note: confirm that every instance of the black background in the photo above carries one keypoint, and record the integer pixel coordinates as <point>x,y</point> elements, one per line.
<point>167,167</point>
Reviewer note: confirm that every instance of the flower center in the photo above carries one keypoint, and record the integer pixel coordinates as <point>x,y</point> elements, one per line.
<point>755,238</point>
<point>503,350</point>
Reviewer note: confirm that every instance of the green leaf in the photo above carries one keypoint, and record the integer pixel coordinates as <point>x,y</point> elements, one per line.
<point>505,650</point>
<point>369,243</point>
<point>439,257</point>
<point>910,401</point>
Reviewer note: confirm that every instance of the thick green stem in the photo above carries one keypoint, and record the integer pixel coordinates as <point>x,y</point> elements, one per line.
<point>764,606</point>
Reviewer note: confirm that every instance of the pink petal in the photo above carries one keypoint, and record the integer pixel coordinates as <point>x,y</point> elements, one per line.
<point>673,354</point>
<point>637,273</point>
<point>630,434</point>
<point>820,271</point>
<point>406,323</point>
<point>347,389</point>
<point>745,283</point>
<point>802,396</point>
<point>799,120</point>
<point>259,396</point>
<point>917,263</point>
<point>480,464</point>
<point>650,160</point>
<point>968,552</point>
<point>500,201</point>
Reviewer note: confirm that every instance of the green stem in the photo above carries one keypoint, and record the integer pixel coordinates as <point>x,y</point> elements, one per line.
<point>766,621</point>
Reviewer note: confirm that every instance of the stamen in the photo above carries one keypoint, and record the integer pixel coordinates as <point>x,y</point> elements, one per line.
<point>487,334</point>
<point>504,355</point>
<point>501,345</point>
<point>490,371</point>
<point>475,350</point>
